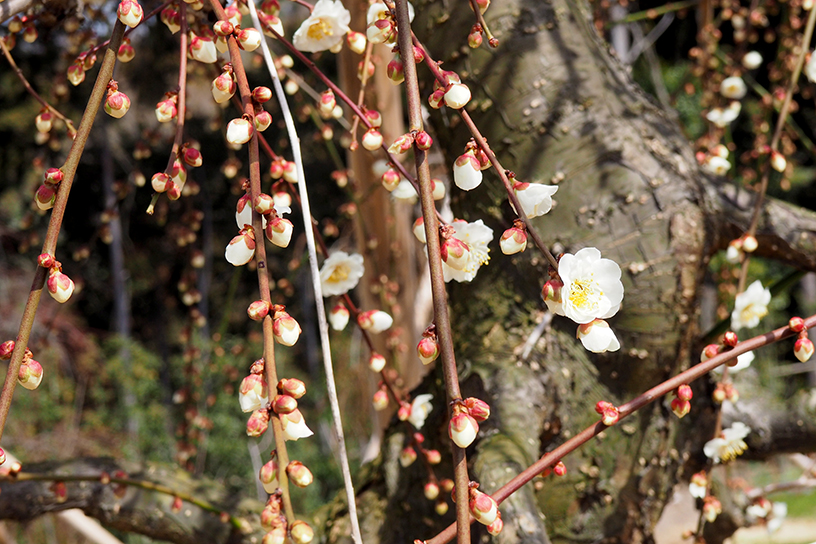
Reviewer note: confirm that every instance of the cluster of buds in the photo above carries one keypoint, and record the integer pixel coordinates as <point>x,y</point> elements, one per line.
<point>46,193</point>
<point>453,93</point>
<point>716,160</point>
<point>263,119</point>
<point>514,239</point>
<point>464,425</point>
<point>711,508</point>
<point>680,405</point>
<point>117,103</point>
<point>173,181</point>
<point>608,411</point>
<point>326,104</point>
<point>83,63</point>
<point>725,391</point>
<point>268,13</point>
<point>372,139</point>
<point>744,244</point>
<point>171,18</point>
<point>281,168</point>
<point>803,348</point>
<point>20,25</point>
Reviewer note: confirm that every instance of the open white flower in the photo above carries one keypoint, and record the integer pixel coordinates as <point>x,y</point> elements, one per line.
<point>325,27</point>
<point>476,236</point>
<point>341,272</point>
<point>592,287</point>
<point>729,445</point>
<point>420,409</point>
<point>723,117</point>
<point>719,166</point>
<point>598,337</point>
<point>750,306</point>
<point>733,87</point>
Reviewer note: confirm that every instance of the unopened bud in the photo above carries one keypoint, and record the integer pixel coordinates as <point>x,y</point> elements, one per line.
<point>455,253</point>
<point>404,411</point>
<point>433,457</point>
<point>749,243</point>
<point>376,362</point>
<point>730,339</point>
<point>423,140</point>
<point>428,349</point>
<point>6,349</point>
<point>680,407</point>
<point>117,104</point>
<point>60,286</point>
<point>258,310</point>
<point>258,423</point>
<point>407,456</point>
<point>803,349</point>
<point>286,329</point>
<point>339,317</point>
<point>719,395</point>
<point>301,532</point>
<point>496,527</point>
<point>239,131</point>
<point>483,507</point>
<point>279,231</point>
<point>513,240</point>
<point>284,404</point>
<point>797,324</point>
<point>711,350</point>
<point>299,474</point>
<point>390,179</point>
<point>463,429</point>
<point>372,139</point>
<point>684,392</point>
<point>477,408</point>
<point>293,387</point>
<point>560,468</point>
<point>431,490</point>
<point>380,400</point>
<point>778,161</point>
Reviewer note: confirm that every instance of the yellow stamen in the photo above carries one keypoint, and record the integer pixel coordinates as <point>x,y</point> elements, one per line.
<point>319,30</point>
<point>340,273</point>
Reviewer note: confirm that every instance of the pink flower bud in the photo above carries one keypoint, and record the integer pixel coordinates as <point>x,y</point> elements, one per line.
<point>30,374</point>
<point>467,173</point>
<point>202,49</point>
<point>53,176</point>
<point>261,94</point>
<point>293,387</point>
<point>264,203</point>
<point>223,28</point>
<point>455,253</point>
<point>239,131</point>
<point>796,324</point>
<point>380,400</point>
<point>76,74</point>
<point>130,13</point>
<point>610,416</point>
<point>249,39</point>
<point>380,31</point>
<point>441,508</point>
<point>2,456</point>
<point>431,490</point>
<point>276,535</point>
<point>496,527</point>
<point>749,243</point>
<point>390,179</point>
<point>407,456</point>
<point>6,349</point>
<point>477,408</point>
<point>241,249</point>
<point>258,423</point>
<point>268,476</point>
<point>284,404</point>
<point>402,144</point>
<point>711,509</point>
<point>423,140</point>
<point>376,362</point>
<point>263,120</point>
<point>161,182</point>
<point>374,321</point>
<point>680,407</point>
<point>730,339</point>
<point>457,96</point>
<point>223,87</point>
<point>339,317</point>
<point>289,171</point>
<point>374,118</point>
<point>253,394</point>
<point>44,121</point>
<point>404,411</point>
<point>60,491</point>
<point>433,457</point>
<point>171,19</point>
<point>45,197</point>
<point>299,474</point>
<point>436,98</point>
<point>463,429</point>
<point>301,532</point>
<point>709,351</point>
<point>513,240</point>
<point>356,41</point>
<point>126,52</point>
<point>286,329</point>
<point>258,310</point>
<point>166,110</point>
<point>475,36</point>
<point>560,468</point>
<point>803,349</point>
<point>326,104</point>
<point>684,392</point>
<point>117,104</point>
<point>372,139</point>
<point>395,70</point>
<point>482,506</point>
<point>428,349</point>
<point>279,231</point>
<point>719,394</point>
<point>449,76</point>
<point>60,286</point>
<point>192,157</point>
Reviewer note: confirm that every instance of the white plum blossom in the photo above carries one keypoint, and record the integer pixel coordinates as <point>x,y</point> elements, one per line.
<point>592,286</point>
<point>476,236</point>
<point>535,198</point>
<point>243,212</point>
<point>729,445</point>
<point>241,249</point>
<point>325,27</point>
<point>598,337</point>
<point>733,87</point>
<point>341,272</point>
<point>716,165</point>
<point>420,409</point>
<point>723,117</point>
<point>750,306</point>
